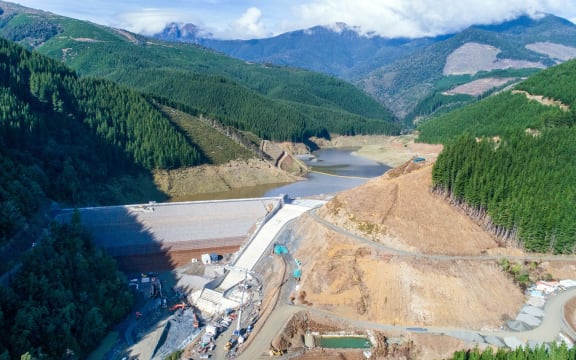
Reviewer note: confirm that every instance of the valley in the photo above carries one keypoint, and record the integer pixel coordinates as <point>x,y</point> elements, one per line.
<point>415,195</point>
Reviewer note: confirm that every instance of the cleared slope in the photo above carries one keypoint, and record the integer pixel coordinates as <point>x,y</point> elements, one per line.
<point>358,280</point>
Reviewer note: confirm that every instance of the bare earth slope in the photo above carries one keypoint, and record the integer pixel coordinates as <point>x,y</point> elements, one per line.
<point>360,281</point>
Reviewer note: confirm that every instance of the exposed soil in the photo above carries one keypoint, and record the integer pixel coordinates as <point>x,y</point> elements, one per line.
<point>213,179</point>
<point>556,51</point>
<point>570,313</point>
<point>385,345</point>
<point>478,87</point>
<point>359,281</point>
<point>472,57</point>
<point>543,100</point>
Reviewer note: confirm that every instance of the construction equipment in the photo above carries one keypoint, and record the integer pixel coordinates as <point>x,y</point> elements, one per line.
<point>230,344</point>
<point>195,319</point>
<point>179,306</point>
<point>275,352</point>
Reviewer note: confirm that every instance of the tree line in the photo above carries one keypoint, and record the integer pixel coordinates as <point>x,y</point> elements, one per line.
<point>509,160</point>
<point>543,352</point>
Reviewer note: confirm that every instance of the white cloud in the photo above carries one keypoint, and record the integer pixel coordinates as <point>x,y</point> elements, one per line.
<point>147,21</point>
<point>249,25</point>
<point>415,18</point>
<point>241,19</point>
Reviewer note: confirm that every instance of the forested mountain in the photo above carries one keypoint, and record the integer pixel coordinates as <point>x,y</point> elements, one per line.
<point>75,140</point>
<point>272,102</point>
<point>509,160</point>
<point>554,351</point>
<point>339,50</point>
<point>486,52</point>
<point>415,78</point>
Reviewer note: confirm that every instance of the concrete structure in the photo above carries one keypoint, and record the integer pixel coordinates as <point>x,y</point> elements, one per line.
<point>160,229</point>
<point>215,300</point>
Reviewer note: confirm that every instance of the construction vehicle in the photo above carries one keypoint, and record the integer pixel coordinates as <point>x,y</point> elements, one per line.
<point>230,344</point>
<point>275,352</point>
<point>179,306</point>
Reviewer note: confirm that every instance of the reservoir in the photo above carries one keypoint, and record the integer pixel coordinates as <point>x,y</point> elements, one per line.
<point>333,170</point>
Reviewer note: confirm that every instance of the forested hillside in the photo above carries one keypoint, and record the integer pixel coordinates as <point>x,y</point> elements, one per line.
<point>513,168</point>
<point>63,301</point>
<point>554,351</point>
<point>407,85</point>
<point>74,140</point>
<point>273,102</point>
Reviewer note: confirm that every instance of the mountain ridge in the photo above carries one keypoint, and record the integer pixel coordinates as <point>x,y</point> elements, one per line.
<point>391,69</point>
<point>272,102</point>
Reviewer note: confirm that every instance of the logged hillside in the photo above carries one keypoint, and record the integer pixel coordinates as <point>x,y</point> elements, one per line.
<point>271,102</point>
<point>416,85</point>
<point>513,168</point>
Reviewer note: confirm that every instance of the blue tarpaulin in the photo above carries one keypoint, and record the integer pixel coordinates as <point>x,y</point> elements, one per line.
<point>279,250</point>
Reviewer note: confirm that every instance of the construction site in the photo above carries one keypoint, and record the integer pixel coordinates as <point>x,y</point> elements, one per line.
<point>372,272</point>
<point>216,293</point>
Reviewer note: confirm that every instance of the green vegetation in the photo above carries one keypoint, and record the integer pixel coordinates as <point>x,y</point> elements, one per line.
<point>65,297</point>
<point>552,352</point>
<point>271,102</point>
<point>495,116</point>
<point>438,103</point>
<point>523,183</point>
<point>217,146</point>
<point>81,140</point>
<point>524,274</point>
<point>520,175</point>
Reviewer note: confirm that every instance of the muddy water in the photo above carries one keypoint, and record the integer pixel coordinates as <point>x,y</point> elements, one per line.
<point>333,170</point>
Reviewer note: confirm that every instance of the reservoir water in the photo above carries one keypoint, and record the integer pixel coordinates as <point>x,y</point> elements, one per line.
<point>333,170</point>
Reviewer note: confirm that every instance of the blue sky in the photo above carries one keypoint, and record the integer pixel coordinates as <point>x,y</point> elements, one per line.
<point>247,19</point>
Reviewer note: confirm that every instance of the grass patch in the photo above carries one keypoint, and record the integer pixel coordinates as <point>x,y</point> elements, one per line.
<point>215,146</point>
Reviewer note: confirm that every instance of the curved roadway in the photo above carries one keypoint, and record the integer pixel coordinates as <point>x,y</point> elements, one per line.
<point>552,325</point>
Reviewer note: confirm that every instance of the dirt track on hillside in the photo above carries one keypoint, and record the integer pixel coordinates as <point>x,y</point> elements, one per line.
<point>357,281</point>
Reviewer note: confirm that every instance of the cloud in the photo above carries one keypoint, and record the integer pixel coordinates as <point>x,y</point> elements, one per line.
<point>414,18</point>
<point>239,19</point>
<point>147,21</point>
<point>249,25</point>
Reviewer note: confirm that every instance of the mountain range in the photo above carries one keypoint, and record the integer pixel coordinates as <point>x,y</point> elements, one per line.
<point>270,102</point>
<point>412,77</point>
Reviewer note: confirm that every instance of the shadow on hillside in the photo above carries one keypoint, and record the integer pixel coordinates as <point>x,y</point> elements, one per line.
<point>127,233</point>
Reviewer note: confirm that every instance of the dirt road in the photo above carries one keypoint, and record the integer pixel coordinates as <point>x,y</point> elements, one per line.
<point>553,320</point>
